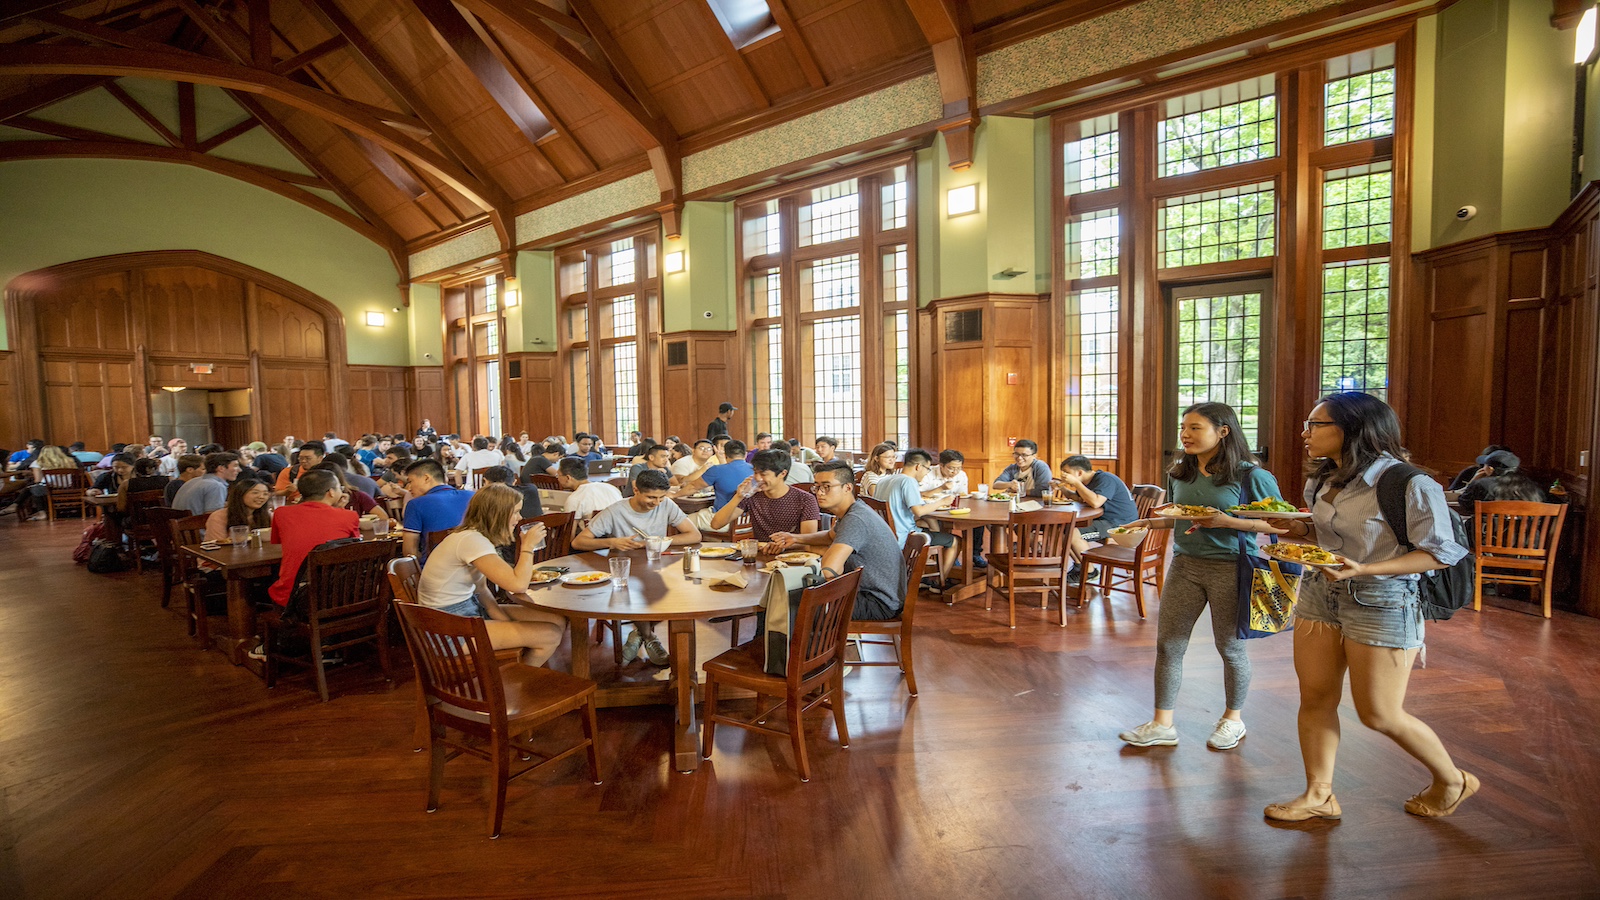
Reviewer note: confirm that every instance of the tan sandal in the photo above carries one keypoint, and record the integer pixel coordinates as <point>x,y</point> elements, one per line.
<point>1469,786</point>
<point>1283,812</point>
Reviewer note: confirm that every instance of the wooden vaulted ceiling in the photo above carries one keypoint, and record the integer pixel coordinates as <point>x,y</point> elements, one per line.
<point>414,120</point>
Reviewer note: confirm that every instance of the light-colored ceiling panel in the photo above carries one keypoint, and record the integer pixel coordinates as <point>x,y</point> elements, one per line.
<point>259,146</point>
<point>97,110</point>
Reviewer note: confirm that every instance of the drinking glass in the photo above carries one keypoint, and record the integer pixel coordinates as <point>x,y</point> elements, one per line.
<point>380,528</point>
<point>654,545</point>
<point>983,492</point>
<point>619,571</point>
<point>749,549</point>
<point>238,534</point>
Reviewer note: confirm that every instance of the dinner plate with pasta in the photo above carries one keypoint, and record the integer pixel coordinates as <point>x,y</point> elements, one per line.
<point>1185,511</point>
<point>1303,555</point>
<point>1268,508</point>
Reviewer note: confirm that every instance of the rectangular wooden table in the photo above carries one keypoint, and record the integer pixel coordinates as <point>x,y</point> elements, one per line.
<point>988,513</point>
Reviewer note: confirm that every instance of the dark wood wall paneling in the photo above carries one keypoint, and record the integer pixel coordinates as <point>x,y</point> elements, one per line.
<point>425,396</point>
<point>378,400</point>
<point>693,389</point>
<point>532,396</point>
<point>1503,334</point>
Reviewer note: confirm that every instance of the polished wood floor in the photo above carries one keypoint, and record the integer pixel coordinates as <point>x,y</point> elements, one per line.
<point>134,765</point>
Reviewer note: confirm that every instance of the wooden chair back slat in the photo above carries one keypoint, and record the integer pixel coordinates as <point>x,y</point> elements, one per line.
<point>453,659</point>
<point>475,477</point>
<point>348,580</point>
<point>65,479</point>
<point>1147,497</point>
<point>821,626</point>
<point>915,554</point>
<point>878,506</point>
<point>558,535</point>
<point>188,530</point>
<point>545,482</point>
<point>1041,537</point>
<point>404,574</point>
<point>1517,528</point>
<point>436,537</point>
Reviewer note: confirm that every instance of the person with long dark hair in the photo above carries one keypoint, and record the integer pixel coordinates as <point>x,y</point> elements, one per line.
<point>1366,615</point>
<point>1216,469</point>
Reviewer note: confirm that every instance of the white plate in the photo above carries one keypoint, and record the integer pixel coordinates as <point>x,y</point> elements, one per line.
<point>1172,512</point>
<point>718,552</point>
<point>797,558</point>
<point>573,578</point>
<point>1267,514</point>
<point>544,576</point>
<point>1270,548</point>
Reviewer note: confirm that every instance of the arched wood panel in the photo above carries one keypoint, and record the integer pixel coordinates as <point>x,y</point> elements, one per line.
<point>93,337</point>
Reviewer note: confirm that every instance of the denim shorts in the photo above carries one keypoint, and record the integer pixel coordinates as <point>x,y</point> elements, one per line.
<point>1375,613</point>
<point>471,607</point>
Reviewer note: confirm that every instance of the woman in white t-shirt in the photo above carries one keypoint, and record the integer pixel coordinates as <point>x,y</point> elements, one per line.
<point>455,578</point>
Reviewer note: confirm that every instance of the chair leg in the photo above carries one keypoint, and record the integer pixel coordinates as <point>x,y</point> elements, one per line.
<point>383,647</point>
<point>435,761</point>
<point>1477,588</point>
<point>166,585</point>
<point>1011,600</point>
<point>591,730</point>
<point>270,665</point>
<point>316,660</point>
<point>708,722</point>
<point>1546,590</point>
<point>836,689</point>
<point>419,735</point>
<point>201,622</point>
<point>797,737</point>
<point>1138,594</point>
<point>902,651</point>
<point>497,794</point>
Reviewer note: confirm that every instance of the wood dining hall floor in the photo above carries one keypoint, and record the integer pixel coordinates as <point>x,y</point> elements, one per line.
<point>134,765</point>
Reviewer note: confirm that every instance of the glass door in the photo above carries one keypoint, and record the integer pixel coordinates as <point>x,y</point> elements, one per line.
<point>1216,347</point>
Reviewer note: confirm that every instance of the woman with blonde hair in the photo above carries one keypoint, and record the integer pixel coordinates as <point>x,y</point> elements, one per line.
<point>880,464</point>
<point>456,579</point>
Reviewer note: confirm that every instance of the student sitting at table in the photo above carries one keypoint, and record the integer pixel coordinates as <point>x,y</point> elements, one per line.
<point>655,457</point>
<point>455,579</point>
<point>146,477</point>
<point>434,506</point>
<point>544,460</point>
<point>1099,490</point>
<point>531,507</point>
<point>622,526</point>
<point>694,460</point>
<point>587,497</point>
<point>308,457</point>
<point>803,454</point>
<point>1500,478</point>
<point>799,472</point>
<point>359,500</point>
<point>210,491</point>
<point>772,504</point>
<point>859,539</point>
<point>723,478</point>
<point>301,528</point>
<point>110,482</point>
<point>1027,474</point>
<point>900,492</point>
<point>880,463</point>
<point>586,449</point>
<point>248,505</point>
<point>1475,471</point>
<point>189,467</point>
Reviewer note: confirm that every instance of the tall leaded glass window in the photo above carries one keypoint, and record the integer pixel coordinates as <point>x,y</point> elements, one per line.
<point>1222,126</point>
<point>607,322</point>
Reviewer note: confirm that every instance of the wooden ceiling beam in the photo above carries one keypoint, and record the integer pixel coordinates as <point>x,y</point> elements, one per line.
<point>145,115</point>
<point>100,34</point>
<point>70,132</point>
<point>224,34</point>
<point>227,134</point>
<point>22,9</point>
<point>464,43</point>
<point>618,59</point>
<point>306,57</point>
<point>200,70</point>
<point>260,19</point>
<point>736,60</point>
<point>492,41</point>
<point>947,25</point>
<point>802,52</point>
<point>188,120</point>
<point>392,81</point>
<point>46,94</point>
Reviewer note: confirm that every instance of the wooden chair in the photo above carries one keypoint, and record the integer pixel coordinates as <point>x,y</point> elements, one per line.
<point>475,477</point>
<point>545,482</point>
<point>816,664</point>
<point>559,532</point>
<point>160,519</point>
<point>1147,497</point>
<point>898,630</point>
<point>347,600</point>
<point>741,528</point>
<point>1146,564</point>
<point>66,487</point>
<point>197,588</point>
<point>434,538</point>
<point>880,507</point>
<point>464,692</point>
<point>1036,559</point>
<point>138,526</point>
<point>1519,539</point>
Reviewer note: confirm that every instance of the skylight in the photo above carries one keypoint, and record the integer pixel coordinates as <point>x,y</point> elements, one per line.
<point>745,21</point>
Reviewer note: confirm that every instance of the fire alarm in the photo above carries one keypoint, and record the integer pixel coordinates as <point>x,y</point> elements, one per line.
<point>1011,378</point>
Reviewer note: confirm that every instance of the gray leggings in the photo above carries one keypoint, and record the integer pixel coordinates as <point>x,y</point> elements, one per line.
<point>1191,585</point>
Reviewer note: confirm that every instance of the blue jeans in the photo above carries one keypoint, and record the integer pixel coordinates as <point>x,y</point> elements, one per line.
<point>471,608</point>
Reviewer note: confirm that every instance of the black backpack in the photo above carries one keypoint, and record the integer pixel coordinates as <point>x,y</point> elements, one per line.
<point>1443,590</point>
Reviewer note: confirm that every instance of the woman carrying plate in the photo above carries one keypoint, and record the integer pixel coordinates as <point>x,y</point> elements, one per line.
<point>1215,471</point>
<point>1365,615</point>
<point>454,578</point>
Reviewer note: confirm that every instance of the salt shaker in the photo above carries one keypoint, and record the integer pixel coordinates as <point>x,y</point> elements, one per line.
<point>691,561</point>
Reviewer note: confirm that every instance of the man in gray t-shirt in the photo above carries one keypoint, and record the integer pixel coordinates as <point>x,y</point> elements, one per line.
<point>860,539</point>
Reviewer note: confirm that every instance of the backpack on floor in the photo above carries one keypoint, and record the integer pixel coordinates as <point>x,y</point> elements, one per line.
<point>106,557</point>
<point>1445,590</point>
<point>95,532</point>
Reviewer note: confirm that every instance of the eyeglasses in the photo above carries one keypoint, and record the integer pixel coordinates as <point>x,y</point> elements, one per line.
<point>829,486</point>
<point>1313,423</point>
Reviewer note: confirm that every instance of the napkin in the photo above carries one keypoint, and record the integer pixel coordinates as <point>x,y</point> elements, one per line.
<point>736,579</point>
<point>1029,506</point>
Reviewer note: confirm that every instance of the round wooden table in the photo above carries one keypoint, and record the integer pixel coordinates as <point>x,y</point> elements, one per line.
<point>657,591</point>
<point>989,513</point>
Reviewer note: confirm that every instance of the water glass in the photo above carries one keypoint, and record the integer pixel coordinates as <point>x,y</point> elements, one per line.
<point>654,545</point>
<point>619,571</point>
<point>983,492</point>
<point>238,534</point>
<point>749,549</point>
<point>380,528</point>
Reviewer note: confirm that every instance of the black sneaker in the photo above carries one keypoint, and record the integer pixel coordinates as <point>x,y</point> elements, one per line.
<point>933,585</point>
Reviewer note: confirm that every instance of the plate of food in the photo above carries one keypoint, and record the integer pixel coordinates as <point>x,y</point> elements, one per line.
<point>585,579</point>
<point>544,576</point>
<point>1001,497</point>
<point>717,551</point>
<point>797,557</point>
<point>1124,536</point>
<point>1185,511</point>
<point>1303,554</point>
<point>1268,508</point>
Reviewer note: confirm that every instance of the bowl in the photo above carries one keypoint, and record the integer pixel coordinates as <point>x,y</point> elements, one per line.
<point>1128,538</point>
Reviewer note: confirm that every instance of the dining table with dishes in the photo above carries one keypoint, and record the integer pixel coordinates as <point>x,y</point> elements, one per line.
<point>684,587</point>
<point>970,512</point>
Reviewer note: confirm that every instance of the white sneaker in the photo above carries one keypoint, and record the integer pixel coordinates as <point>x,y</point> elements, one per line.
<point>1151,735</point>
<point>1226,735</point>
<point>655,651</point>
<point>259,653</point>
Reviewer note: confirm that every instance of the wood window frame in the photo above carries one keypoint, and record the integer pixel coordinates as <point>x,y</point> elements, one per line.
<point>466,288</point>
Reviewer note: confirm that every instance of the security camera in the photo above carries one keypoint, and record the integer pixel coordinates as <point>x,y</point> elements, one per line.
<point>1466,212</point>
<point>707,314</point>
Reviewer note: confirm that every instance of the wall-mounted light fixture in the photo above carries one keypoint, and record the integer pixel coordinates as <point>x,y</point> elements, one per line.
<point>376,319</point>
<point>959,201</point>
<point>1584,51</point>
<point>513,291</point>
<point>173,388</point>
<point>674,262</point>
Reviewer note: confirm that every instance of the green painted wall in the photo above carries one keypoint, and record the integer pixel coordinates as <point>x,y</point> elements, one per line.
<point>62,210</point>
<point>1004,233</point>
<point>1469,124</point>
<point>425,336</point>
<point>1422,133</point>
<point>536,274</point>
<point>707,282</point>
<point>1540,91</point>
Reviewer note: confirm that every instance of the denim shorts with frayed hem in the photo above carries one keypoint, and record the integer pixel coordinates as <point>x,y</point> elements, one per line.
<point>470,607</point>
<point>1375,613</point>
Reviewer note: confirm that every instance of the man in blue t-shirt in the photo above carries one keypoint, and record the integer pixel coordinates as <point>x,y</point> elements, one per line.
<point>902,494</point>
<point>434,506</point>
<point>724,480</point>
<point>1028,474</point>
<point>1100,490</point>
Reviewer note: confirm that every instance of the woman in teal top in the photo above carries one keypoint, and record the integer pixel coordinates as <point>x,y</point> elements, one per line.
<point>1217,470</point>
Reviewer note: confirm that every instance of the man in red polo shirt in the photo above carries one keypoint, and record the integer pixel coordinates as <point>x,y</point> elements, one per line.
<point>317,518</point>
